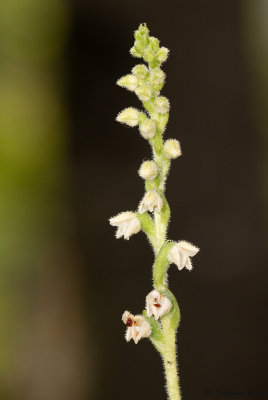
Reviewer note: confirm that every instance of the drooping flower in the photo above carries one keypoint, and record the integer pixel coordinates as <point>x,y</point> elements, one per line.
<point>137,327</point>
<point>157,304</point>
<point>180,254</point>
<point>151,202</point>
<point>127,224</point>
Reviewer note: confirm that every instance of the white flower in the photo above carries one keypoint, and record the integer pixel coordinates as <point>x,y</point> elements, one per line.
<point>129,116</point>
<point>127,224</point>
<point>172,148</point>
<point>161,105</point>
<point>180,254</point>
<point>129,82</point>
<point>157,304</point>
<point>148,170</point>
<point>137,327</point>
<point>148,129</point>
<point>150,202</point>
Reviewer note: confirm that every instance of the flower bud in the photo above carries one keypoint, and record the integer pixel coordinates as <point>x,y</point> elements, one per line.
<point>135,53</point>
<point>148,55</point>
<point>141,34</point>
<point>139,46</point>
<point>154,43</point>
<point>161,105</point>
<point>162,54</point>
<point>172,148</point>
<point>129,116</point>
<point>148,170</point>
<point>130,82</point>
<point>157,77</point>
<point>140,71</point>
<point>144,92</point>
<point>148,129</point>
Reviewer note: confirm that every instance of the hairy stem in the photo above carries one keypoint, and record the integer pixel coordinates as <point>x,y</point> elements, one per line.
<point>169,329</point>
<point>169,359</point>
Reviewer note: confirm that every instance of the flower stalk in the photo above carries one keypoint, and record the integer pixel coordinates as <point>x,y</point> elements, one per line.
<point>160,320</point>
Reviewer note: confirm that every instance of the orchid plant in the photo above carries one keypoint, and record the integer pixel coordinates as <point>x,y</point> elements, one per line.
<point>160,319</point>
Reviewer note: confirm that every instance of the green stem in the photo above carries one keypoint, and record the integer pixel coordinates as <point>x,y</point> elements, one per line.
<point>169,359</point>
<point>161,247</point>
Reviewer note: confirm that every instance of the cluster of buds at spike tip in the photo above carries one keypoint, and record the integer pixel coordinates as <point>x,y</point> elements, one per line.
<point>172,148</point>
<point>157,304</point>
<point>151,202</point>
<point>148,47</point>
<point>137,327</point>
<point>180,254</point>
<point>127,224</point>
<point>148,170</point>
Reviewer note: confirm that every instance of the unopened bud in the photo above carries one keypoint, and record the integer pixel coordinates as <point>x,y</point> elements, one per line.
<point>148,128</point>
<point>148,170</point>
<point>172,148</point>
<point>157,77</point>
<point>140,71</point>
<point>129,116</point>
<point>135,53</point>
<point>129,82</point>
<point>162,54</point>
<point>139,47</point>
<point>161,105</point>
<point>154,43</point>
<point>144,92</point>
<point>148,55</point>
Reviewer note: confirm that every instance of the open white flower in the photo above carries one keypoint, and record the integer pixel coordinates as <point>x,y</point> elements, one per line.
<point>157,304</point>
<point>127,224</point>
<point>151,202</point>
<point>137,327</point>
<point>180,254</point>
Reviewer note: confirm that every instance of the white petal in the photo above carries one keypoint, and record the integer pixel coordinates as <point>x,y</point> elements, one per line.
<point>188,248</point>
<point>165,305</point>
<point>188,264</point>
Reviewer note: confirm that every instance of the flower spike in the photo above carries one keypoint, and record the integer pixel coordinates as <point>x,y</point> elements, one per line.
<point>162,315</point>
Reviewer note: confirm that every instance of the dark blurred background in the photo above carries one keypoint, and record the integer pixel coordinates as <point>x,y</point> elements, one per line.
<point>67,166</point>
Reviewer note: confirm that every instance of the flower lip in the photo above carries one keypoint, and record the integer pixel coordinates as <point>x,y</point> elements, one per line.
<point>129,322</point>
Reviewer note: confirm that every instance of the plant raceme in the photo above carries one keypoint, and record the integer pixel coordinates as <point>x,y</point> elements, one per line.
<point>160,319</point>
